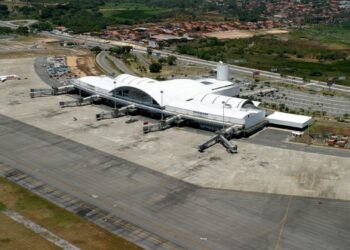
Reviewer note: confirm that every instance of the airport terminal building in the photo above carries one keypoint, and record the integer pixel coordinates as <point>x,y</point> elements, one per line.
<point>208,102</point>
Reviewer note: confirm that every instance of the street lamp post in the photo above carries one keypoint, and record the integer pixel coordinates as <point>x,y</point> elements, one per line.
<point>79,88</point>
<point>223,115</point>
<point>114,95</point>
<point>161,104</point>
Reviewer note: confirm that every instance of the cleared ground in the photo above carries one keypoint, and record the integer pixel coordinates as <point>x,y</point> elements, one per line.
<point>83,65</point>
<point>237,34</point>
<point>174,152</point>
<point>16,236</point>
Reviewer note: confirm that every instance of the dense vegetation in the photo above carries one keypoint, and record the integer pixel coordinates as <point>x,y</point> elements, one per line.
<point>286,55</point>
<point>93,15</point>
<point>8,31</point>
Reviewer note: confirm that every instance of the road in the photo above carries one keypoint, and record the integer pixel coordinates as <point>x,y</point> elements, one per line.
<point>13,25</point>
<point>104,64</point>
<point>185,215</point>
<point>275,76</point>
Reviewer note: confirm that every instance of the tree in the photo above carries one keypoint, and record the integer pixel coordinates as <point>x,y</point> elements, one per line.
<point>127,49</point>
<point>22,31</point>
<point>40,26</point>
<point>4,11</point>
<point>124,50</point>
<point>5,31</point>
<point>116,50</point>
<point>162,60</point>
<point>155,67</point>
<point>96,49</point>
<point>171,60</point>
<point>26,10</point>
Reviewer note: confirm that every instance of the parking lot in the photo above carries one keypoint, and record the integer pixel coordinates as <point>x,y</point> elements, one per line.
<point>311,102</point>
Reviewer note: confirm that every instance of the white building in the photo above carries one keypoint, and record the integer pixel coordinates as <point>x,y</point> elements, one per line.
<point>208,101</point>
<point>289,120</point>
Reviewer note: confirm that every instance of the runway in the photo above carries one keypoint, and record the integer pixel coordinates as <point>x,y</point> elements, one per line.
<point>182,214</point>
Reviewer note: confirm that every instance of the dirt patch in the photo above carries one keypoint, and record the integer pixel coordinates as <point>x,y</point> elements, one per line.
<point>237,34</point>
<point>230,34</point>
<point>83,65</point>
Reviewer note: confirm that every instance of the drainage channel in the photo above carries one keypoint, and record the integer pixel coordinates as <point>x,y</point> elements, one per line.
<point>87,211</point>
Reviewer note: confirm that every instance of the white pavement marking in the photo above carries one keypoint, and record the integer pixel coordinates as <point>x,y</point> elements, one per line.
<point>41,231</point>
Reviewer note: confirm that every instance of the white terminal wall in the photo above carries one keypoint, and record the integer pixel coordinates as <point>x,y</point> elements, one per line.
<point>289,120</point>
<point>246,117</point>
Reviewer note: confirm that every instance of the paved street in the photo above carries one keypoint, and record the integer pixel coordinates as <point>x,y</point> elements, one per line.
<point>184,214</point>
<point>102,60</point>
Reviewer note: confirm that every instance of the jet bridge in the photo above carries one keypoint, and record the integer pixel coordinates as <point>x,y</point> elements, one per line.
<point>163,124</point>
<point>223,137</point>
<point>115,113</point>
<point>41,92</point>
<point>80,101</point>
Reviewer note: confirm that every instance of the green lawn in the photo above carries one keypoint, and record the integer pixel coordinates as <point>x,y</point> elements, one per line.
<point>325,34</point>
<point>132,12</point>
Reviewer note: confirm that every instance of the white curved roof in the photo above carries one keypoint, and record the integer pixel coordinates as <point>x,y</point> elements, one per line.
<point>102,82</point>
<point>173,90</point>
<point>219,99</point>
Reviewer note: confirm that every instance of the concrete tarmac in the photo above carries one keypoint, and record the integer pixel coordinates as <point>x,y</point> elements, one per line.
<point>187,215</point>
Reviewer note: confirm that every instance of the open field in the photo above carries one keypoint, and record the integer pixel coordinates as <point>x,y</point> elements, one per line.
<point>132,12</point>
<point>68,226</point>
<point>16,236</point>
<point>31,46</point>
<point>236,34</point>
<point>338,37</point>
<point>290,54</point>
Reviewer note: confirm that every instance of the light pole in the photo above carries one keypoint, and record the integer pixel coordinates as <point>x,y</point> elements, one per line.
<point>223,115</point>
<point>79,88</point>
<point>308,135</point>
<point>161,104</point>
<point>114,95</point>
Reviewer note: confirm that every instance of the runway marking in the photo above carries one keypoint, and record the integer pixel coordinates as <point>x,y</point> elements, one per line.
<point>283,223</point>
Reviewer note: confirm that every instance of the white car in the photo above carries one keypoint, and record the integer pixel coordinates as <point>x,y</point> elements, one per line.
<point>9,77</point>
